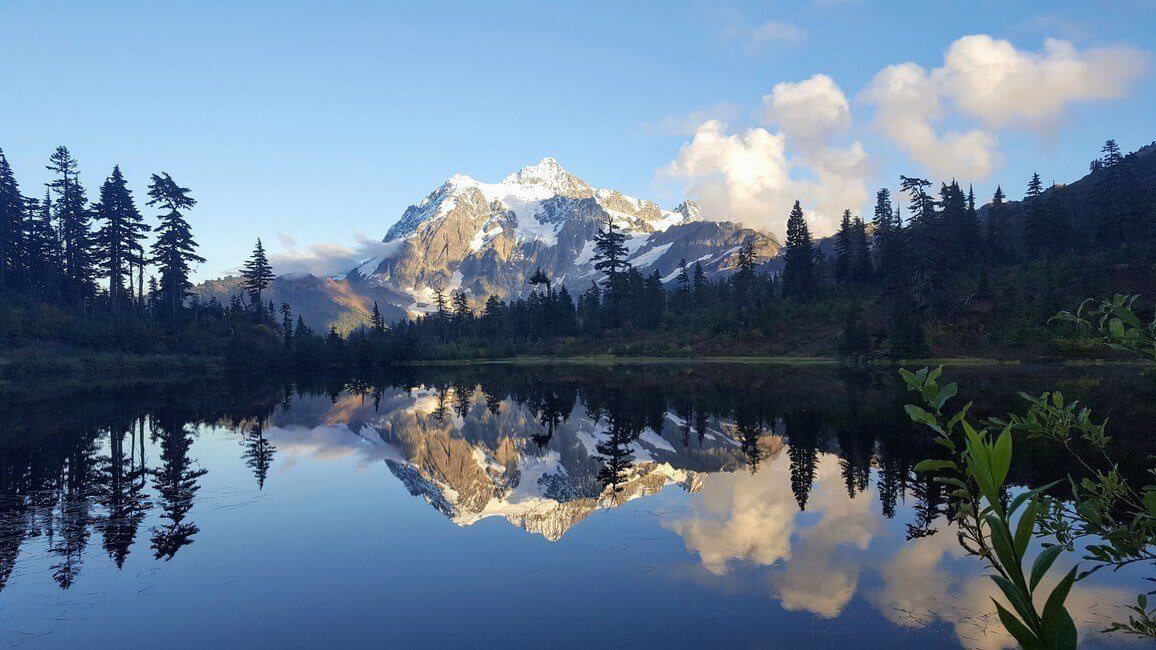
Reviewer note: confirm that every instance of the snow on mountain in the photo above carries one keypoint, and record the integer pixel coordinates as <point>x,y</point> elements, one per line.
<point>489,238</point>
<point>477,464</point>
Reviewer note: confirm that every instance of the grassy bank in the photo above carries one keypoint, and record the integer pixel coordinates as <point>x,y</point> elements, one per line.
<point>33,369</point>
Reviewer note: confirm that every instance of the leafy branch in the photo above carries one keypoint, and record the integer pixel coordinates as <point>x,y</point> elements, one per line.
<point>986,527</point>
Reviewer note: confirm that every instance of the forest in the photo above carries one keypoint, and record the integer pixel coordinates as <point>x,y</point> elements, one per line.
<point>928,274</point>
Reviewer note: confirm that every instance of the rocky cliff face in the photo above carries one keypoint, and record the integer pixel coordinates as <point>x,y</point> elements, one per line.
<point>488,238</point>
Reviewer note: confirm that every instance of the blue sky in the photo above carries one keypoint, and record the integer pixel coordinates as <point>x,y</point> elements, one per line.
<point>319,121</point>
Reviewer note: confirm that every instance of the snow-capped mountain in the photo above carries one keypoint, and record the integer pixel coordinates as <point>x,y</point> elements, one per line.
<point>489,238</point>
<point>475,462</point>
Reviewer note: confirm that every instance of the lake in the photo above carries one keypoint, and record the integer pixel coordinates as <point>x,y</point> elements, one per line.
<point>479,506</point>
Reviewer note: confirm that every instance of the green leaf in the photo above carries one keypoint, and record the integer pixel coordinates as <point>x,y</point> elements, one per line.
<point>1059,630</point>
<point>1044,562</point>
<point>1020,498</point>
<point>923,417</point>
<point>946,393</point>
<point>1024,528</point>
<point>1018,599</point>
<point>935,466</point>
<point>1022,634</point>
<point>1001,458</point>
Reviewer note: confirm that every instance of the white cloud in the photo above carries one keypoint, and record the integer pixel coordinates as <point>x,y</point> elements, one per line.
<point>774,31</point>
<point>908,107</point>
<point>326,258</point>
<point>990,81</point>
<point>808,110</point>
<point>753,176</point>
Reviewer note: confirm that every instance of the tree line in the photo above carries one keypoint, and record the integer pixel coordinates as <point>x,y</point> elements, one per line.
<point>77,271</point>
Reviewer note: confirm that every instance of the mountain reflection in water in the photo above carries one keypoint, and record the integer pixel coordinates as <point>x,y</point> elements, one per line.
<point>723,484</point>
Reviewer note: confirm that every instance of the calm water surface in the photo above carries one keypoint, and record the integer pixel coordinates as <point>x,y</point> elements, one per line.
<point>505,506</point>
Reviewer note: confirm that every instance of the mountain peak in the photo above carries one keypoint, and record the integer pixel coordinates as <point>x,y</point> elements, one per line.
<point>548,173</point>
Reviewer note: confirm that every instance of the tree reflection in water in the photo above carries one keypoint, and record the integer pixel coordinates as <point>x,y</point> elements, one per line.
<point>792,470</point>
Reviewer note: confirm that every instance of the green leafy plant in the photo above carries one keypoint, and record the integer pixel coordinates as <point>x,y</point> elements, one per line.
<point>981,458</point>
<point>1116,521</point>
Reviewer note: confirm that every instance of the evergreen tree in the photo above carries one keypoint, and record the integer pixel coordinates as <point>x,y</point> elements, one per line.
<point>699,285</point>
<point>174,250</point>
<point>256,275</point>
<point>682,286</point>
<point>859,267</point>
<point>73,226</point>
<point>998,236</point>
<point>610,258</point>
<point>287,322</point>
<point>1035,229</point>
<point>376,321</point>
<point>843,248</point>
<point>744,278</point>
<point>799,263</point>
<point>12,209</point>
<point>887,258</point>
<point>118,239</point>
<point>41,251</point>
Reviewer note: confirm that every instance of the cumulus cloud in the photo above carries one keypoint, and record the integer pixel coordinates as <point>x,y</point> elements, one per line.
<point>992,82</point>
<point>755,175</point>
<point>326,258</point>
<point>908,107</point>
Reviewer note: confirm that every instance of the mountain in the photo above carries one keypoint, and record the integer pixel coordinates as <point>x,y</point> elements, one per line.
<point>471,462</point>
<point>489,238</point>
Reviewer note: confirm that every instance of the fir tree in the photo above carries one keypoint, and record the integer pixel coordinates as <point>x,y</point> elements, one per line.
<point>256,275</point>
<point>859,267</point>
<point>843,248</point>
<point>610,258</point>
<point>998,235</point>
<point>799,264</point>
<point>287,322</point>
<point>12,210</point>
<point>376,322</point>
<point>887,256</point>
<point>41,250</point>
<point>699,285</point>
<point>1035,218</point>
<point>174,250</point>
<point>73,225</point>
<point>118,239</point>
<point>744,277</point>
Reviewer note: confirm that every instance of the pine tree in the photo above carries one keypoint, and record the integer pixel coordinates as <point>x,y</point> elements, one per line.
<point>843,248</point>
<point>287,322</point>
<point>886,235</point>
<point>12,208</point>
<point>682,286</point>
<point>41,251</point>
<point>998,236</point>
<point>799,264</point>
<point>859,267</point>
<point>699,285</point>
<point>1112,155</point>
<point>256,275</point>
<point>73,226</point>
<point>610,258</point>
<point>376,322</point>
<point>120,234</point>
<point>174,250</point>
<point>744,277</point>
<point>1035,225</point>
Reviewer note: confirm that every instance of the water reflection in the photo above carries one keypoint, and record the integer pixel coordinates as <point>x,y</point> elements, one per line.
<point>795,483</point>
